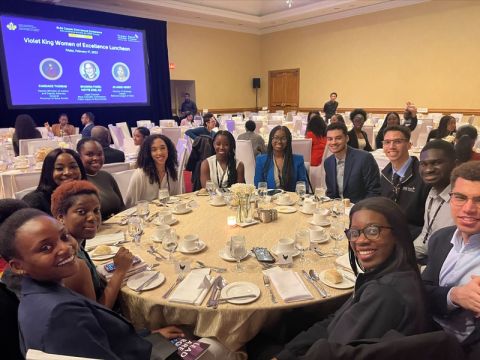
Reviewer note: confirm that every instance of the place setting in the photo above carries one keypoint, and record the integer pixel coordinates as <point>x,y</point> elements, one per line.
<point>238,255</point>
<point>181,208</point>
<point>217,200</point>
<point>191,244</point>
<point>165,217</point>
<point>320,217</point>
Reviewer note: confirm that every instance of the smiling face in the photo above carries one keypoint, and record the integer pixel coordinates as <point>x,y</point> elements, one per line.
<point>372,253</point>
<point>393,119</point>
<point>89,70</point>
<point>467,216</point>
<point>452,125</point>
<point>45,251</point>
<point>279,140</point>
<point>221,146</point>
<point>396,152</point>
<point>337,141</point>
<point>138,137</point>
<point>211,123</point>
<point>435,168</point>
<point>65,169</point>
<point>159,152</point>
<point>83,218</point>
<point>92,157</point>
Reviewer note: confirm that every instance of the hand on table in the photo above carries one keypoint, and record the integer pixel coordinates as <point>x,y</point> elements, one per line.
<point>468,296</point>
<point>170,332</point>
<point>123,260</point>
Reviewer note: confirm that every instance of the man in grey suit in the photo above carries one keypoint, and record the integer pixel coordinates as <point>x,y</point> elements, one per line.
<point>258,144</point>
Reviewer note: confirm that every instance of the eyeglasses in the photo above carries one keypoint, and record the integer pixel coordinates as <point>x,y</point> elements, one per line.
<point>371,232</point>
<point>458,199</point>
<point>279,139</point>
<point>395,142</point>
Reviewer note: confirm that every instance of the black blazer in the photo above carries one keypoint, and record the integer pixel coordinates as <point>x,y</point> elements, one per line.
<point>113,155</point>
<point>353,140</point>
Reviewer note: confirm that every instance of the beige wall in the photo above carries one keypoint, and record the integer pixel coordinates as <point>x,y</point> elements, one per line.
<point>428,53</point>
<point>222,63</point>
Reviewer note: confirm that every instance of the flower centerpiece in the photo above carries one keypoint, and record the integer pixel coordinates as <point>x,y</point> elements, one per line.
<point>242,194</point>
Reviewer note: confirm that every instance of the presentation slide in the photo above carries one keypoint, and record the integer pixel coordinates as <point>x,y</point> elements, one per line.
<point>52,63</point>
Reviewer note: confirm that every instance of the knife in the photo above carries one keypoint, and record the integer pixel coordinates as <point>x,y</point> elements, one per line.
<point>238,297</point>
<point>211,300</point>
<point>321,291</point>
<point>147,282</point>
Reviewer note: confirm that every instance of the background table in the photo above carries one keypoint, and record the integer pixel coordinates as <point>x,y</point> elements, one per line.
<point>233,325</point>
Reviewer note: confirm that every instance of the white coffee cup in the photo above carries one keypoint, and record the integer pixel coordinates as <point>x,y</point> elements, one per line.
<point>285,246</point>
<point>317,233</point>
<point>190,242</point>
<point>320,216</point>
<point>284,198</point>
<point>166,215</point>
<point>217,200</point>
<point>308,206</point>
<point>161,231</point>
<point>180,206</point>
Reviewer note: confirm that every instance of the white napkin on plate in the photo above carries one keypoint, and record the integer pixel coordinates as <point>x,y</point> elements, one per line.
<point>194,288</point>
<point>107,239</point>
<point>344,263</point>
<point>288,284</point>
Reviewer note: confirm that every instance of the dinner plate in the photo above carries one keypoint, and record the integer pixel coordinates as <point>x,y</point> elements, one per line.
<point>288,203</point>
<point>182,212</point>
<point>107,256</point>
<point>201,246</point>
<point>345,284</point>
<point>240,288</point>
<point>286,209</point>
<point>321,223</point>
<point>173,199</point>
<point>278,253</point>
<point>306,212</point>
<point>226,256</point>
<point>169,222</point>
<point>217,204</point>
<point>138,279</point>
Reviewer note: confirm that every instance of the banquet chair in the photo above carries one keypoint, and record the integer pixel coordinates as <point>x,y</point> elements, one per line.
<point>124,127</point>
<point>181,144</point>
<point>297,128</point>
<point>117,136</point>
<point>43,130</point>
<point>230,125</point>
<point>258,126</point>
<point>24,181</point>
<point>181,167</point>
<point>369,130</point>
<point>303,147</point>
<point>244,153</point>
<point>145,123</point>
<point>116,167</point>
<point>123,179</point>
<point>167,123</point>
<point>317,173</point>
<point>173,133</point>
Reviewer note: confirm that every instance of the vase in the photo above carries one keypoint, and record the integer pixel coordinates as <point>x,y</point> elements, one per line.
<point>243,209</point>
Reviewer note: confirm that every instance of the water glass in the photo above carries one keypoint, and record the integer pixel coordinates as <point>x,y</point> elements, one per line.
<point>211,188</point>
<point>135,228</point>
<point>337,233</point>
<point>300,189</point>
<point>238,249</point>
<point>142,209</point>
<point>262,189</point>
<point>302,242</point>
<point>170,243</point>
<point>163,196</point>
<point>319,193</point>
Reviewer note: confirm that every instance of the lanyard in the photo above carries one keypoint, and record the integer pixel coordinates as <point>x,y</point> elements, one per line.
<point>168,182</point>
<point>220,181</point>
<point>279,172</point>
<point>430,223</point>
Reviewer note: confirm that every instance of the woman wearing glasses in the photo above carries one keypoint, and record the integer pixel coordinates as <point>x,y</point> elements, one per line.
<point>388,293</point>
<point>279,167</point>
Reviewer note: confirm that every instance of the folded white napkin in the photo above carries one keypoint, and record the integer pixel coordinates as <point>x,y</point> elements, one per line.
<point>344,263</point>
<point>135,269</point>
<point>194,288</point>
<point>288,284</point>
<point>108,239</point>
<point>40,355</point>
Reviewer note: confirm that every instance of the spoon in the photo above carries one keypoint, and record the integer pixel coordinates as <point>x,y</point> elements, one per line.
<point>313,274</point>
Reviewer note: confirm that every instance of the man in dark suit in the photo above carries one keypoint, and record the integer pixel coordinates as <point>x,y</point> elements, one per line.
<point>330,107</point>
<point>102,135</point>
<point>452,275</point>
<point>349,172</point>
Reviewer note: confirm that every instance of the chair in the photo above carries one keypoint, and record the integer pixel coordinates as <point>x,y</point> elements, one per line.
<point>116,167</point>
<point>145,123</point>
<point>124,127</point>
<point>181,144</point>
<point>181,167</point>
<point>43,130</point>
<point>297,128</point>
<point>19,195</point>
<point>25,181</point>
<point>244,153</point>
<point>173,133</point>
<point>369,130</point>
<point>123,179</point>
<point>29,146</point>
<point>117,136</point>
<point>230,125</point>
<point>168,123</point>
<point>303,147</point>
<point>317,173</point>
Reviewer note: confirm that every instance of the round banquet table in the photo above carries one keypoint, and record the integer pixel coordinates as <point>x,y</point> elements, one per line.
<point>233,325</point>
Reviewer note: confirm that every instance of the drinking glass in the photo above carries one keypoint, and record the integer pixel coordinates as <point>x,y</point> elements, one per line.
<point>142,209</point>
<point>338,208</point>
<point>319,193</point>
<point>238,250</point>
<point>302,242</point>
<point>135,229</point>
<point>300,189</point>
<point>337,233</point>
<point>262,190</point>
<point>163,196</point>
<point>211,188</point>
<point>170,244</point>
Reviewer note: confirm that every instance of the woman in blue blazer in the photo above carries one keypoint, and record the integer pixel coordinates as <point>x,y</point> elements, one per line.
<point>279,167</point>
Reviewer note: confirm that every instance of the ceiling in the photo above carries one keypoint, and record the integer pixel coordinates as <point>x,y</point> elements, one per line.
<point>251,16</point>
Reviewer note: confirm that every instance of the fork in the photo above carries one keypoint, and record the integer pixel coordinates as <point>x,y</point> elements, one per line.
<point>178,281</point>
<point>151,267</point>
<point>266,282</point>
<point>213,268</point>
<point>154,251</point>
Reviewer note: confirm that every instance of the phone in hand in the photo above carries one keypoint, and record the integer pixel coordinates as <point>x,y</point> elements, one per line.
<point>110,267</point>
<point>263,255</point>
<point>273,192</point>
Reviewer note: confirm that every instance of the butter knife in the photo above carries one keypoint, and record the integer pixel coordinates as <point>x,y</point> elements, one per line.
<point>237,297</point>
<point>147,282</point>
<point>211,300</point>
<point>321,291</point>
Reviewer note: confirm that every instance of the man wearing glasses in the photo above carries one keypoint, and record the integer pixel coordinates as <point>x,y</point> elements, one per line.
<point>452,275</point>
<point>401,180</point>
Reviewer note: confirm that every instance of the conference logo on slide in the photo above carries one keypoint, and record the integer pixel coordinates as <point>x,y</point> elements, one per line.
<point>11,26</point>
<point>120,71</point>
<point>51,69</point>
<point>89,70</point>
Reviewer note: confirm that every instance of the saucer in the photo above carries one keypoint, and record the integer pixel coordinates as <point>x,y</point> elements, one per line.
<point>181,212</point>
<point>294,253</point>
<point>173,199</point>
<point>306,212</point>
<point>320,240</point>
<point>281,203</point>
<point>201,246</point>
<point>322,223</point>
<point>217,204</point>
<point>138,279</point>
<point>286,209</point>
<point>114,250</point>
<point>225,256</point>
<point>240,288</point>
<point>170,222</point>
<point>345,284</point>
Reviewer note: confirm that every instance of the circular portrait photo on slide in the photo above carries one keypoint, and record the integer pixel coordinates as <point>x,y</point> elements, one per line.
<point>120,72</point>
<point>51,69</point>
<point>89,70</point>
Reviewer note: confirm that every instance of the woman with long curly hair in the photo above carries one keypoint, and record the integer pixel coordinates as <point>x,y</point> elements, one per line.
<point>25,128</point>
<point>222,168</point>
<point>156,169</point>
<point>279,167</point>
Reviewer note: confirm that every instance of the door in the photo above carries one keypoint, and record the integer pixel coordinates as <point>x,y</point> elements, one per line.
<point>178,88</point>
<point>283,90</point>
